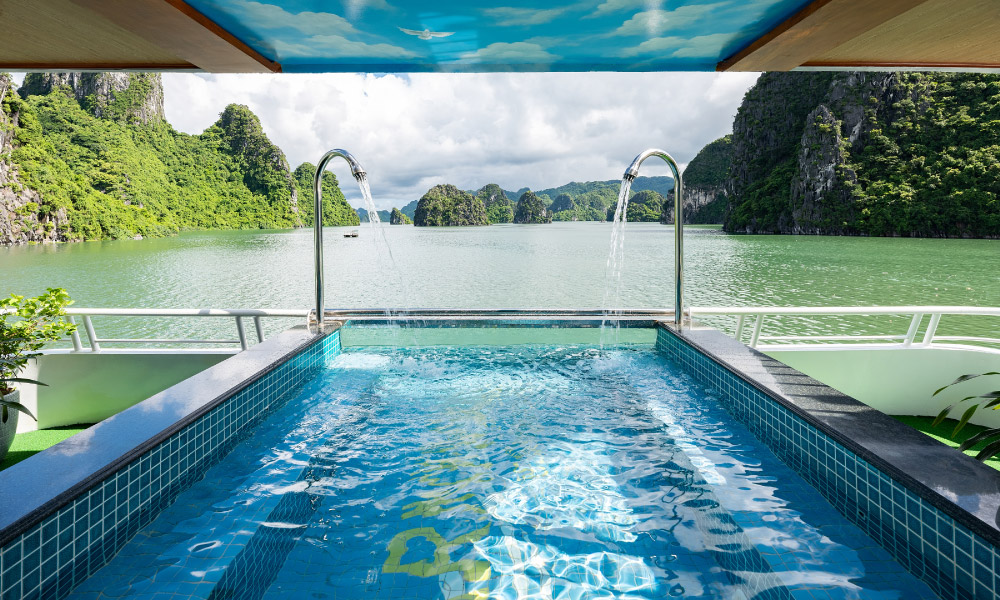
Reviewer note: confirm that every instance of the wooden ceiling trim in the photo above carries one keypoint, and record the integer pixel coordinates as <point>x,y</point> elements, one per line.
<point>937,33</point>
<point>59,32</point>
<point>180,29</point>
<point>61,67</point>
<point>816,29</point>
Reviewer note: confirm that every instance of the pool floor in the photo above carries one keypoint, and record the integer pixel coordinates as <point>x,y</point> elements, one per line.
<point>520,472</point>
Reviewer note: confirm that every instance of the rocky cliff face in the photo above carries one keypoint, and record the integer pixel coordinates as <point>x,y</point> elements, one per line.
<point>124,97</point>
<point>20,219</point>
<point>704,185</point>
<point>865,153</point>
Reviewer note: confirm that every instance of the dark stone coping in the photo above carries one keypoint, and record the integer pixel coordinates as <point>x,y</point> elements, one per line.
<point>957,484</point>
<point>38,486</point>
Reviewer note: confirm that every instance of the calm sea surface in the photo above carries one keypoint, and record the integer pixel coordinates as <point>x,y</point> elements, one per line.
<point>561,265</point>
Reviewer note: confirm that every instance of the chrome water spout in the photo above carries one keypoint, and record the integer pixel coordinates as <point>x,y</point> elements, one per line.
<point>359,173</point>
<point>630,174</point>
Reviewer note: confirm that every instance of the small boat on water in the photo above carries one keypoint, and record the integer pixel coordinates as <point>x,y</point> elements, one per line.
<point>351,234</point>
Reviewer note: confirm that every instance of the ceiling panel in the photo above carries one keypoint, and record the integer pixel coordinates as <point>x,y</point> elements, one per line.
<point>59,32</point>
<point>414,35</point>
<point>935,33</point>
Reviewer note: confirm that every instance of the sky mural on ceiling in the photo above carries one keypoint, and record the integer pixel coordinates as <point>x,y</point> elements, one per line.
<point>453,36</point>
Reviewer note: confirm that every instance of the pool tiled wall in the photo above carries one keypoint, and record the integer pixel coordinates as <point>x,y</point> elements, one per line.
<point>66,547</point>
<point>953,560</point>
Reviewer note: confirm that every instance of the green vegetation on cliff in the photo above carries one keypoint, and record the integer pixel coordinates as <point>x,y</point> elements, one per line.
<point>446,205</point>
<point>531,210</point>
<point>496,203</point>
<point>911,154</point>
<point>398,218</point>
<point>96,149</point>
<point>644,206</point>
<point>336,210</point>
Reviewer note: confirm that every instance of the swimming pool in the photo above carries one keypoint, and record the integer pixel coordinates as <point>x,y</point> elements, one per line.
<point>311,466</point>
<point>502,472</point>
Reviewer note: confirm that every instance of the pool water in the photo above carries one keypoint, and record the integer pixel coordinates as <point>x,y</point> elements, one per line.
<point>518,472</point>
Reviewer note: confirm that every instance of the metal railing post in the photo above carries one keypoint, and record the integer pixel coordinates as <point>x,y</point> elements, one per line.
<point>739,327</point>
<point>75,336</point>
<point>95,346</point>
<point>242,333</point>
<point>931,329</point>
<point>912,331</point>
<point>260,329</point>
<point>756,330</point>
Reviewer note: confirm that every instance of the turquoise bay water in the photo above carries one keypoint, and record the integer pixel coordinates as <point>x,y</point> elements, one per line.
<point>515,473</point>
<point>561,265</point>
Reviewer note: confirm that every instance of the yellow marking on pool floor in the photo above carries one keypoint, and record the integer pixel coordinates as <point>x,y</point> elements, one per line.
<point>471,570</point>
<point>435,506</point>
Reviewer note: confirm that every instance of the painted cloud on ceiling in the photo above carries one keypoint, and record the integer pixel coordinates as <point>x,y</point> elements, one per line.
<point>616,35</point>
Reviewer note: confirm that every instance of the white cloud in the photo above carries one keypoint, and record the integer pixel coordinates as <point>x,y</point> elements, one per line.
<point>612,6</point>
<point>335,45</point>
<point>507,16</point>
<point>355,8</point>
<point>702,46</point>
<point>516,129</point>
<point>512,53</point>
<point>652,23</point>
<point>268,17</point>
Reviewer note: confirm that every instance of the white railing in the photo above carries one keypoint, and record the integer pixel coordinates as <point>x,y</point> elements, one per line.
<point>94,341</point>
<point>917,335</point>
<point>766,331</point>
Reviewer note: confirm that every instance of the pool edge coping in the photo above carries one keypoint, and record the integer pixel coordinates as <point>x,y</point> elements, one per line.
<point>979,511</point>
<point>122,438</point>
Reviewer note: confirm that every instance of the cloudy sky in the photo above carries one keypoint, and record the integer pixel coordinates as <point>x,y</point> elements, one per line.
<point>518,130</point>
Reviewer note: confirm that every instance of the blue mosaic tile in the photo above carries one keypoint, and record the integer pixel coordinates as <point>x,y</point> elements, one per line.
<point>55,555</point>
<point>954,561</point>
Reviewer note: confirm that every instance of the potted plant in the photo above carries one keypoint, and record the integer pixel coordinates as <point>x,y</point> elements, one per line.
<point>26,324</point>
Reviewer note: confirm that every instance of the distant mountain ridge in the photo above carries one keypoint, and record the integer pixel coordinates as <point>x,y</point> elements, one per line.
<point>661,184</point>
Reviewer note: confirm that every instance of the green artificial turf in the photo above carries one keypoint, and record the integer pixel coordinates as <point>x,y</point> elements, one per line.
<point>943,433</point>
<point>33,442</point>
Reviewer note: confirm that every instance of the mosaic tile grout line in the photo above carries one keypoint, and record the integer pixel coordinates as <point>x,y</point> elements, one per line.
<point>53,555</point>
<point>929,543</point>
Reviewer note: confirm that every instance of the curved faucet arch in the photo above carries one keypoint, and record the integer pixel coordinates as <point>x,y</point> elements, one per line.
<point>630,174</point>
<point>359,173</point>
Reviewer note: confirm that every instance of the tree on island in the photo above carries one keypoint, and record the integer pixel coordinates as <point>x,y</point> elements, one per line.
<point>398,218</point>
<point>643,207</point>
<point>496,203</point>
<point>446,205</point>
<point>531,210</point>
<point>336,210</point>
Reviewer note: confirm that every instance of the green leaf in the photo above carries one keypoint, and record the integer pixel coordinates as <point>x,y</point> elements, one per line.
<point>965,418</point>
<point>942,415</point>
<point>23,380</point>
<point>979,437</point>
<point>989,451</point>
<point>17,406</point>
<point>964,378</point>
